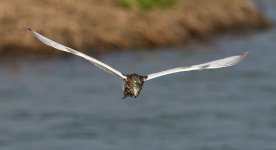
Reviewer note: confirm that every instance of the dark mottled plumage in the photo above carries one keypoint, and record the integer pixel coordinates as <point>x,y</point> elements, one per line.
<point>133,85</point>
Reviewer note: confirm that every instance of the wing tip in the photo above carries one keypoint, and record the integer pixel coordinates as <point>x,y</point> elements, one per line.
<point>30,29</point>
<point>245,54</point>
<point>242,56</point>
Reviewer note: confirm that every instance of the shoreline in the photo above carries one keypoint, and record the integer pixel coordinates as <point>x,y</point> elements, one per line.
<point>99,27</point>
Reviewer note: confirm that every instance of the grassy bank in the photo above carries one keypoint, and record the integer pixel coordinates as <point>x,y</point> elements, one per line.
<point>102,25</point>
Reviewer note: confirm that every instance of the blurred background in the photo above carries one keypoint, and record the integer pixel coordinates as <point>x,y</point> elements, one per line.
<point>65,103</point>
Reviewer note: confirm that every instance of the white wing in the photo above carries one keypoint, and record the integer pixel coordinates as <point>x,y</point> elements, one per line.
<point>226,62</point>
<point>58,46</point>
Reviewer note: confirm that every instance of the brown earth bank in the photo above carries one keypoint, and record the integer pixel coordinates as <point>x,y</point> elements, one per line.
<point>103,25</point>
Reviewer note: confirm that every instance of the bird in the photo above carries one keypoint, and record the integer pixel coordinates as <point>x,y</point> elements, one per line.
<point>133,83</point>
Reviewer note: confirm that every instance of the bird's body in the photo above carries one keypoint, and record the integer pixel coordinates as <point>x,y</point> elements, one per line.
<point>133,83</point>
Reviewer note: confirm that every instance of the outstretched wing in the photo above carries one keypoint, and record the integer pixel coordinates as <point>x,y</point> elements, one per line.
<point>226,62</point>
<point>58,46</point>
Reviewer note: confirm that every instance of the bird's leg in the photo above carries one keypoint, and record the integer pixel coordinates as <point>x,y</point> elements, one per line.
<point>124,97</point>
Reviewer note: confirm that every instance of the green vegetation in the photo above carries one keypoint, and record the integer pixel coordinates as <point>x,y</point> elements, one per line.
<point>147,4</point>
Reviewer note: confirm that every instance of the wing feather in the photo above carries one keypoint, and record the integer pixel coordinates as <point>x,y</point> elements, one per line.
<point>221,63</point>
<point>61,47</point>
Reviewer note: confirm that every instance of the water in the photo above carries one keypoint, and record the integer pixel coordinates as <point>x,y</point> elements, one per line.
<point>68,104</point>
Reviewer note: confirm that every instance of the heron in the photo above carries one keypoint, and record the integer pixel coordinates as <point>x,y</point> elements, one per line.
<point>133,83</point>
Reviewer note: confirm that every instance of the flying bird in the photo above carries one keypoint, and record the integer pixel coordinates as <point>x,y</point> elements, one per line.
<point>133,83</point>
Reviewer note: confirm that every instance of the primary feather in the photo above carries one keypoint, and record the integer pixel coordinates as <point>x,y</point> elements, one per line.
<point>226,62</point>
<point>61,47</point>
